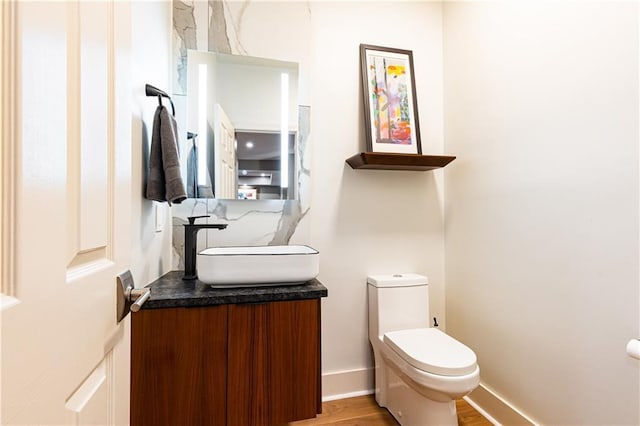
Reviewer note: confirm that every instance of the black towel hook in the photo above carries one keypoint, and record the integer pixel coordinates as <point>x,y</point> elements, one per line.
<point>154,91</point>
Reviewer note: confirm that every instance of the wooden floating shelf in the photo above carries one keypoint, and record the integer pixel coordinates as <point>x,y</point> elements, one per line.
<point>387,161</point>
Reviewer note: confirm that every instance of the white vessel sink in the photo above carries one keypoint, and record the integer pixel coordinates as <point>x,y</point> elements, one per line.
<point>257,266</point>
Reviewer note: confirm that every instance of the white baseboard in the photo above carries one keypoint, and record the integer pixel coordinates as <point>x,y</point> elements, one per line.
<point>358,382</point>
<point>347,384</point>
<point>495,409</point>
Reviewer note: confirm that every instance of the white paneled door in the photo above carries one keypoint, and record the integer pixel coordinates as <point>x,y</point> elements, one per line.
<point>225,156</point>
<point>65,359</point>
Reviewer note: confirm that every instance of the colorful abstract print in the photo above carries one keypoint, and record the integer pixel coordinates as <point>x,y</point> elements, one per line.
<point>389,100</point>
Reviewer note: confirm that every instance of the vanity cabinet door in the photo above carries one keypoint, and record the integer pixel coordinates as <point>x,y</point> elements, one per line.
<point>273,362</point>
<point>178,366</point>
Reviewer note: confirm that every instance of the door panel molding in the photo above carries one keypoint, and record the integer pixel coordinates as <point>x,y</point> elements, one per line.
<point>88,263</point>
<point>8,100</point>
<point>90,124</point>
<point>91,402</point>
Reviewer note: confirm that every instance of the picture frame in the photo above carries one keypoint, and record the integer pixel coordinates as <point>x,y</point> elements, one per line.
<point>390,104</point>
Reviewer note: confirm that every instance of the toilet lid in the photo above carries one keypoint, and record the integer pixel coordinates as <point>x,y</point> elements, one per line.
<point>431,350</point>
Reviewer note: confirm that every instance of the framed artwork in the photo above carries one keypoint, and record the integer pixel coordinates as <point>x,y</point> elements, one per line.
<point>391,109</point>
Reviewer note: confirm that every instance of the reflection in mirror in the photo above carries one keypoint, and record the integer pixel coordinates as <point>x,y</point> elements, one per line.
<point>259,166</point>
<point>242,123</point>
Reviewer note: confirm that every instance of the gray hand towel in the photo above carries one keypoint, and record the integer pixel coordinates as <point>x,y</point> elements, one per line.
<point>165,182</point>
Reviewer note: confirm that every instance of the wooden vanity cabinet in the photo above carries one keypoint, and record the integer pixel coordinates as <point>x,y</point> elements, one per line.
<point>178,366</point>
<point>247,364</point>
<point>273,368</point>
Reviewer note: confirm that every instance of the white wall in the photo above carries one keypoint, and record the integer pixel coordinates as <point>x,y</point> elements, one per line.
<point>151,50</point>
<point>541,105</point>
<point>370,221</point>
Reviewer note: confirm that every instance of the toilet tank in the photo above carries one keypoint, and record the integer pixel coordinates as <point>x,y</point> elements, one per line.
<point>397,302</point>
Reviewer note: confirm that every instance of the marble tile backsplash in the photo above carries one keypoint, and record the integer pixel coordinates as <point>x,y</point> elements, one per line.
<point>250,223</point>
<point>216,25</point>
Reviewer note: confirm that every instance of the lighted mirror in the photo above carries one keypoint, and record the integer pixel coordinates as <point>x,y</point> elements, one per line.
<point>242,127</point>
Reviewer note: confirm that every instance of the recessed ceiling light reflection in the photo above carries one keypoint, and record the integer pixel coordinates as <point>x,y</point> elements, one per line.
<point>244,173</point>
<point>249,145</point>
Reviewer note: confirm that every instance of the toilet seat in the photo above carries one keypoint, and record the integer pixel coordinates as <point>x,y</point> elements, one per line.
<point>432,351</point>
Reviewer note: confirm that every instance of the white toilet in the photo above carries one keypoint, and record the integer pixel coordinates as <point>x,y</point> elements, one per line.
<point>419,371</point>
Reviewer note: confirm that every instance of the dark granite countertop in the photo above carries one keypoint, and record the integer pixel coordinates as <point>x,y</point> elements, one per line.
<point>170,291</point>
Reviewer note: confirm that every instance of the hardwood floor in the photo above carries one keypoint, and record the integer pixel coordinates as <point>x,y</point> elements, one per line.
<point>468,416</point>
<point>364,411</point>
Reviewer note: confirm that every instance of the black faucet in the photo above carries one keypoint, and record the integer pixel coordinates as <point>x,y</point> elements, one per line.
<point>191,243</point>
